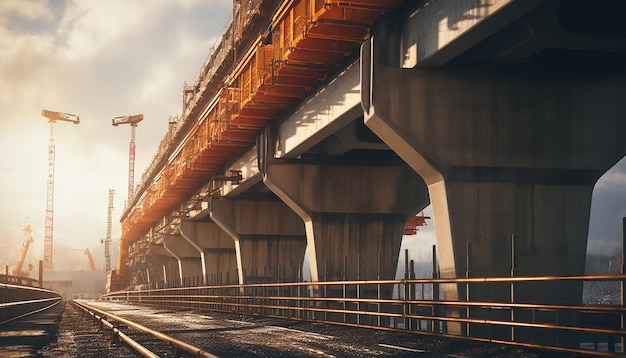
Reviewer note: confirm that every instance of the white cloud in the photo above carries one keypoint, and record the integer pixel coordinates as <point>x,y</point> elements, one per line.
<point>27,9</point>
<point>96,59</point>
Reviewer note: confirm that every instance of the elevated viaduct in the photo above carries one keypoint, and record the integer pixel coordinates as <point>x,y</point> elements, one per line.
<point>327,124</point>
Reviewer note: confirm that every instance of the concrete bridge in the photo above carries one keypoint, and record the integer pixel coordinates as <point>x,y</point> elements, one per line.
<point>328,126</point>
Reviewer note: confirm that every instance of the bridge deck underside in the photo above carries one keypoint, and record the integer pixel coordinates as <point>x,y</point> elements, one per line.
<point>309,38</point>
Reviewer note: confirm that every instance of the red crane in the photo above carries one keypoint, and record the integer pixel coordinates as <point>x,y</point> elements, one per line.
<point>92,265</point>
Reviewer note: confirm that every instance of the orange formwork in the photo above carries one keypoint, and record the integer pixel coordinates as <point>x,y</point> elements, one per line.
<point>308,39</point>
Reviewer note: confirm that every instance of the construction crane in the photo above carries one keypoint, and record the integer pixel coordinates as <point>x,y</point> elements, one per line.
<point>47,243</point>
<point>132,120</point>
<point>17,271</point>
<point>92,265</point>
<point>107,240</point>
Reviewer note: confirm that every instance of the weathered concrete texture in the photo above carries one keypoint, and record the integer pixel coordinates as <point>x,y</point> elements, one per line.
<point>354,215</point>
<point>216,250</point>
<point>269,238</point>
<point>155,264</point>
<point>441,30</point>
<point>189,262</point>
<point>504,152</point>
<point>165,262</point>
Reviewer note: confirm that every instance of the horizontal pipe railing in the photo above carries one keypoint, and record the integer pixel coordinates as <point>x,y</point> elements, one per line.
<point>414,307</point>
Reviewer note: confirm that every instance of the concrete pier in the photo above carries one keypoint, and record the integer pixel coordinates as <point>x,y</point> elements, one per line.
<point>268,237</point>
<point>215,248</point>
<point>189,261</point>
<point>354,213</point>
<point>504,151</point>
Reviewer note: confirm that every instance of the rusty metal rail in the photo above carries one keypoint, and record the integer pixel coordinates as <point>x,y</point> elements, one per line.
<point>413,305</point>
<point>18,301</point>
<point>111,321</point>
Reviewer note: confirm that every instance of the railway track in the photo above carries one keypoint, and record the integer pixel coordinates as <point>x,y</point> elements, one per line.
<point>156,331</point>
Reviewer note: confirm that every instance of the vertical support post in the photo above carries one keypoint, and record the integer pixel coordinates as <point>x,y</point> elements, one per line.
<point>345,296</point>
<point>468,274</point>
<point>411,294</point>
<point>40,273</point>
<point>435,275</point>
<point>358,287</point>
<point>623,283</point>
<point>513,272</point>
<point>379,262</point>
<point>406,288</point>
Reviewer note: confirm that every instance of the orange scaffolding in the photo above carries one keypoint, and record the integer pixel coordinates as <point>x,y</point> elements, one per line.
<point>306,41</point>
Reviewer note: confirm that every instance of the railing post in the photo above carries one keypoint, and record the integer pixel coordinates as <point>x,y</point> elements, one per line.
<point>405,309</point>
<point>411,294</point>
<point>435,275</point>
<point>40,273</point>
<point>623,285</point>
<point>513,272</point>
<point>468,274</point>
<point>378,320</point>
<point>358,287</point>
<point>344,294</point>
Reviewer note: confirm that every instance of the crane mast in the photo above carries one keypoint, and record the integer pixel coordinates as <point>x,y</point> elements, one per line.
<point>107,240</point>
<point>132,120</point>
<point>48,233</point>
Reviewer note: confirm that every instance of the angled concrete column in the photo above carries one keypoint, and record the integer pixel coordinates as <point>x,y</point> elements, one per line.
<point>503,152</point>
<point>157,268</point>
<point>171,268</point>
<point>216,249</point>
<point>269,238</point>
<point>188,258</point>
<point>354,214</point>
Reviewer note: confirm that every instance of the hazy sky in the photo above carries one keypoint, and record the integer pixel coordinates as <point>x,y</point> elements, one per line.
<point>101,59</point>
<point>98,60</point>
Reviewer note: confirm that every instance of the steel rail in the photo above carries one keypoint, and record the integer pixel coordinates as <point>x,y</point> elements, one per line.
<point>116,332</point>
<point>195,351</point>
<point>30,302</point>
<point>234,305</point>
<point>428,318</point>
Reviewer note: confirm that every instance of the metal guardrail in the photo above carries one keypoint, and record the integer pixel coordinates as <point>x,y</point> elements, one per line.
<point>17,301</point>
<point>19,280</point>
<point>415,307</point>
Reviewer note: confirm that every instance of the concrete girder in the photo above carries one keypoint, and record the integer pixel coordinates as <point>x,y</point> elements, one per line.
<point>353,211</point>
<point>216,248</point>
<point>439,31</point>
<point>504,151</point>
<point>269,237</point>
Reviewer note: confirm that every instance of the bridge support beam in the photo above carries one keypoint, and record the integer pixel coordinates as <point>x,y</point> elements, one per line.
<point>269,238</point>
<point>216,249</point>
<point>503,152</point>
<point>163,265</point>
<point>188,257</point>
<point>156,270</point>
<point>354,215</point>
